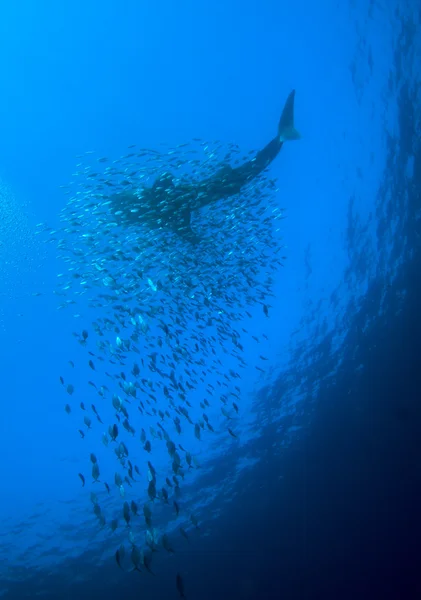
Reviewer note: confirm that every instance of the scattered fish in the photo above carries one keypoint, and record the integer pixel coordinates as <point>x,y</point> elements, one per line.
<point>180,585</point>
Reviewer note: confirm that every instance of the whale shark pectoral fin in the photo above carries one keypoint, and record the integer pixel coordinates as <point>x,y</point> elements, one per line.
<point>286,128</point>
<point>190,236</point>
<point>184,230</point>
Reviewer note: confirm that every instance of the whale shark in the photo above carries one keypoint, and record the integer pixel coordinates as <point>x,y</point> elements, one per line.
<point>169,203</point>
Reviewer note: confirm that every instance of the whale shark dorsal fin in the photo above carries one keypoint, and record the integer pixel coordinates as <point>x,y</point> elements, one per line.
<point>286,128</point>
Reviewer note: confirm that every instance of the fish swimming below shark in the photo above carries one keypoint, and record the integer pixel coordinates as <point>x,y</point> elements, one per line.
<point>169,205</point>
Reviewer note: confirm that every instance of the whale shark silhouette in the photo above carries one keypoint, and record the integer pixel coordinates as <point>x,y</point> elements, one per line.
<point>169,205</point>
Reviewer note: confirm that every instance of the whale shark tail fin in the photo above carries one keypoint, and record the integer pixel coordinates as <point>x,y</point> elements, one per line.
<point>286,129</point>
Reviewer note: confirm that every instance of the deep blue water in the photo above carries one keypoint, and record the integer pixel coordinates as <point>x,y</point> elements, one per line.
<point>319,495</point>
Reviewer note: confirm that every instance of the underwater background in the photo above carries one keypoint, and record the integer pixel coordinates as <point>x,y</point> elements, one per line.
<point>297,318</point>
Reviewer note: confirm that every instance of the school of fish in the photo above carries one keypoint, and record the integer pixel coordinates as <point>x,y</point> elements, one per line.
<point>163,331</point>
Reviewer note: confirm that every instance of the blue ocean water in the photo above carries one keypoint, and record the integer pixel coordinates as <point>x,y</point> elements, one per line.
<point>309,486</point>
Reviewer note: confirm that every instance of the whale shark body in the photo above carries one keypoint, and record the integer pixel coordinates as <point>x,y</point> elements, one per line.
<point>167,205</point>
